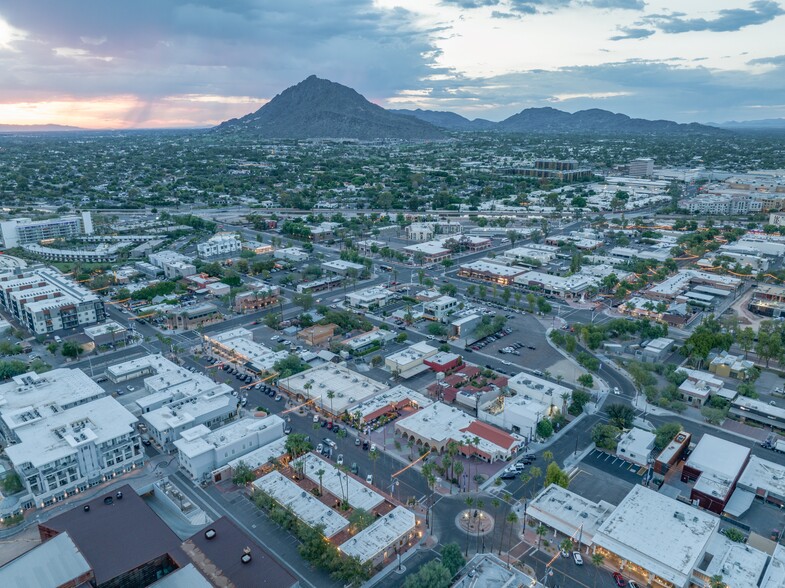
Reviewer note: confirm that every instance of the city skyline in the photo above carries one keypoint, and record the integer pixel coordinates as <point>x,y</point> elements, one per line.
<point>191,64</point>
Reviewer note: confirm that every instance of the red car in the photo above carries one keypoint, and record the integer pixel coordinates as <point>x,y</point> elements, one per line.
<point>619,579</point>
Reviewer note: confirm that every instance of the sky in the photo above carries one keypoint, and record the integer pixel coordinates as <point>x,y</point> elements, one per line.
<point>186,63</point>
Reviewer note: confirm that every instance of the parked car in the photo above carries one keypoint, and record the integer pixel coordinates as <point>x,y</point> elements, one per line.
<point>287,430</point>
<point>373,446</point>
<point>564,553</point>
<point>330,443</point>
<point>357,441</point>
<point>369,479</point>
<point>278,398</point>
<point>320,448</point>
<point>324,424</point>
<point>366,445</point>
<point>577,558</point>
<point>316,418</point>
<point>619,579</point>
<point>339,461</point>
<point>355,469</point>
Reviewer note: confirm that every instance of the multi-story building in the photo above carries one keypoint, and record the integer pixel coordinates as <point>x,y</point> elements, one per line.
<point>238,347</point>
<point>65,434</point>
<point>190,317</point>
<point>44,300</point>
<point>21,231</point>
<point>440,309</point>
<point>488,271</point>
<point>175,265</point>
<point>565,170</point>
<point>219,244</point>
<point>256,299</point>
<point>642,167</point>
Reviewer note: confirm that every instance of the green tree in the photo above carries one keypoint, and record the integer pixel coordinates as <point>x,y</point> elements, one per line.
<point>735,535</point>
<point>544,428</point>
<point>452,558</point>
<point>605,436</point>
<point>437,329</point>
<point>304,301</point>
<point>541,532</point>
<point>745,338</point>
<point>586,380</point>
<point>664,434</point>
<point>432,575</point>
<point>243,474</point>
<point>597,559</point>
<point>555,475</point>
<point>716,581</point>
<point>360,518</point>
<point>297,444</point>
<point>12,484</point>
<point>71,349</point>
<point>621,415</point>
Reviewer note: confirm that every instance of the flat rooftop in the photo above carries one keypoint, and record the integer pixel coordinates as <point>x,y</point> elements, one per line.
<point>53,563</point>
<point>567,512</point>
<point>718,456</point>
<point>264,454</point>
<point>348,386</point>
<point>182,413</point>
<point>240,343</point>
<point>761,474</point>
<point>391,397</point>
<point>192,443</point>
<point>496,269</point>
<point>381,534</point>
<point>675,533</point>
<point>359,495</point>
<point>304,505</point>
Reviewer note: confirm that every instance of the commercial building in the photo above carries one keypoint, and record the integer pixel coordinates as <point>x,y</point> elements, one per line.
<point>257,298</point>
<point>715,466</point>
<point>174,265</point>
<point>219,244</point>
<point>532,255</point>
<point>768,300</point>
<point>727,365</point>
<point>654,539</point>
<point>342,267</point>
<point>57,562</point>
<point>563,170</point>
<point>656,350</point>
<point>440,309</point>
<point>429,251</point>
<point>642,167</point>
<point>45,301</point>
<point>257,247</point>
<point>369,298</point>
<point>194,316</point>
<point>338,483</point>
<point>334,388</point>
<point>292,254</point>
<point>367,342</point>
<point>21,231</point>
<point>60,452</point>
<point>201,451</point>
<point>390,534</point>
<point>762,479</point>
<point>568,514</point>
<point>320,285</point>
<point>636,446</point>
<point>409,362</point>
<point>317,334</point>
<point>444,362</point>
<point>685,279</point>
<point>567,287</point>
<point>101,253</point>
<point>488,271</point>
<point>107,333</point>
<point>392,401</point>
<point>699,386</point>
<point>303,505</point>
<point>436,425</point>
<point>672,453</point>
<point>238,347</point>
<point>748,409</point>
<point>485,570</point>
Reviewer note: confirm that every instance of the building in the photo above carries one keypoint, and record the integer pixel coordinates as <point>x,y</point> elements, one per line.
<point>463,327</point>
<point>45,301</point>
<point>672,453</point>
<point>409,362</point>
<point>656,350</point>
<point>444,362</point>
<point>57,562</point>
<point>343,268</point>
<point>485,570</point>
<point>218,289</point>
<point>636,446</point>
<point>334,388</point>
<point>699,386</point>
<point>320,285</point>
<point>338,483</point>
<point>21,231</point>
<point>762,479</point>
<point>108,333</point>
<point>436,425</point>
<point>256,299</point>
<point>562,170</point>
<point>768,300</point>
<point>101,253</point>
<point>194,316</point>
<point>122,539</point>
<point>257,247</point>
<point>367,342</point>
<point>748,409</point>
<point>715,466</point>
<point>292,254</point>
<point>568,514</point>
<point>304,505</point>
<point>369,298</point>
<point>60,452</point>
<point>488,271</point>
<point>238,347</point>
<point>642,167</point>
<point>440,309</point>
<point>391,403</point>
<point>390,534</point>
<point>655,540</point>
<point>201,451</point>
<point>568,287</point>
<point>174,265</point>
<point>428,252</point>
<point>676,285</point>
<point>726,365</point>
<point>317,334</point>
<point>219,244</point>
<point>532,254</point>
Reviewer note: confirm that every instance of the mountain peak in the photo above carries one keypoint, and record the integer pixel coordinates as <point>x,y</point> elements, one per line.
<point>320,108</point>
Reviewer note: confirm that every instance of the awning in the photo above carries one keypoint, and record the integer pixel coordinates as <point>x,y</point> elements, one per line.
<point>739,503</point>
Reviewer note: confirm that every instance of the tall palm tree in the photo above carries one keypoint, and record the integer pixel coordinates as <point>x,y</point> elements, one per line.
<point>331,395</point>
<point>320,473</point>
<point>512,518</point>
<point>597,559</point>
<point>469,502</point>
<point>541,531</point>
<point>373,456</point>
<point>495,503</point>
<point>480,504</point>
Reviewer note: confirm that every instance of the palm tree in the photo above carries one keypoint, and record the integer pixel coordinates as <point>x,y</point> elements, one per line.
<point>547,455</point>
<point>495,503</point>
<point>410,445</point>
<point>597,559</point>
<point>541,531</point>
<point>320,473</point>
<point>469,502</point>
<point>480,504</point>
<point>430,480</point>
<point>373,456</point>
<point>331,395</point>
<point>717,582</point>
<point>457,469</point>
<point>512,518</point>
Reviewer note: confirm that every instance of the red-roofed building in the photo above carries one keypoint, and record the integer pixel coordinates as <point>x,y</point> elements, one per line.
<point>443,362</point>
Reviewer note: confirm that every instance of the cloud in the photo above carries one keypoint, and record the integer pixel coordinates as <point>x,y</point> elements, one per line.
<point>632,33</point>
<point>732,19</point>
<point>471,3</point>
<point>621,4</point>
<point>503,15</point>
<point>773,60</point>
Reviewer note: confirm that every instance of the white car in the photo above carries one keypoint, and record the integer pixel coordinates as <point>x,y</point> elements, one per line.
<point>339,461</point>
<point>319,448</point>
<point>369,478</point>
<point>505,362</point>
<point>316,418</point>
<point>577,557</point>
<point>616,390</point>
<point>373,446</point>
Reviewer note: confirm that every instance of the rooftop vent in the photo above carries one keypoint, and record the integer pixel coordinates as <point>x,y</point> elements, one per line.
<point>87,508</point>
<point>209,534</point>
<point>119,495</point>
<point>108,500</point>
<point>246,557</point>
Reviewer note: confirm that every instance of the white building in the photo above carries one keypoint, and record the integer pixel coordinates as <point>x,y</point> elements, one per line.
<point>440,309</point>
<point>293,254</point>
<point>237,346</point>
<point>643,167</point>
<point>655,539</point>
<point>409,362</point>
<point>368,298</point>
<point>175,265</point>
<point>636,446</point>
<point>44,300</point>
<point>303,505</point>
<point>568,513</point>
<point>347,387</point>
<point>342,267</point>
<point>202,451</point>
<point>21,231</point>
<point>219,244</point>
<point>62,452</point>
<point>393,399</point>
<point>378,542</point>
<point>338,483</point>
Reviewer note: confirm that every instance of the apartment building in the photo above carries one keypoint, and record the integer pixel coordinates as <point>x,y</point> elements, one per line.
<point>219,244</point>
<point>175,265</point>
<point>21,231</point>
<point>44,300</point>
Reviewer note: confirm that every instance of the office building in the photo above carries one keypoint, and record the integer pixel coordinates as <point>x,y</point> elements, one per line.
<point>219,244</point>
<point>238,347</point>
<point>21,231</point>
<point>174,265</point>
<point>643,167</point>
<point>714,466</point>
